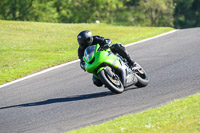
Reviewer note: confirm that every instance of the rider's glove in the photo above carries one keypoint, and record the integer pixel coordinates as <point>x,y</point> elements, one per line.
<point>105,46</point>
<point>107,42</point>
<point>82,65</point>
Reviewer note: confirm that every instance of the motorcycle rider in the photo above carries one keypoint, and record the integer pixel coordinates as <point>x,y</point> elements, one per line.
<point>86,39</point>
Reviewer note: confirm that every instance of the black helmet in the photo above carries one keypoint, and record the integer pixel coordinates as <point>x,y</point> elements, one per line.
<point>85,38</point>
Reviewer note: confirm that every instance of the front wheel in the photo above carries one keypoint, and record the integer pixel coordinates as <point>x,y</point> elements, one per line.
<point>113,84</point>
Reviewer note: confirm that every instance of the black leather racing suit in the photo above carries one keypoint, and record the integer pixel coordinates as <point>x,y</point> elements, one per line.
<point>115,48</point>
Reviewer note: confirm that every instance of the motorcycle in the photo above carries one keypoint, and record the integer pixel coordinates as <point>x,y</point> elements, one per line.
<point>112,69</point>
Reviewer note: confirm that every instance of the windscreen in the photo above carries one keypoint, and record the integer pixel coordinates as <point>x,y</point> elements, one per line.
<point>89,52</point>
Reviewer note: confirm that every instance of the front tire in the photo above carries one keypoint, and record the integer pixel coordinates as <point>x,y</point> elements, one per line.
<point>113,85</point>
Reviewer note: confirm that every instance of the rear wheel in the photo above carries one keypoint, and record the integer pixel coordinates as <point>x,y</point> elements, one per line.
<point>141,76</point>
<point>112,83</point>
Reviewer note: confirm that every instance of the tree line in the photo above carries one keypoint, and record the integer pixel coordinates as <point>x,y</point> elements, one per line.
<point>174,13</point>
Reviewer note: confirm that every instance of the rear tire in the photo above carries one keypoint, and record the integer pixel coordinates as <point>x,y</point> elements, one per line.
<point>141,76</point>
<point>141,82</point>
<point>116,87</point>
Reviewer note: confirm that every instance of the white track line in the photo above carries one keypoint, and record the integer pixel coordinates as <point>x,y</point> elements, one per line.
<point>151,38</point>
<point>68,63</point>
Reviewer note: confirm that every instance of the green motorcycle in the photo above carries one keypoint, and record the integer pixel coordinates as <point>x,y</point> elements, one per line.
<point>112,69</point>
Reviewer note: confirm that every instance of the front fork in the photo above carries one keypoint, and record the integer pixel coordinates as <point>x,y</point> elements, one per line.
<point>127,78</point>
<point>121,69</point>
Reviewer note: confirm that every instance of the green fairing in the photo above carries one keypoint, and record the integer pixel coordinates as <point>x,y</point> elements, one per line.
<point>104,56</point>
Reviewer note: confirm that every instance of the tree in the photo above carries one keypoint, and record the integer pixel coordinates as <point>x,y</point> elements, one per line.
<point>196,12</point>
<point>28,10</point>
<point>187,13</point>
<point>15,9</point>
<point>157,12</point>
<point>43,11</point>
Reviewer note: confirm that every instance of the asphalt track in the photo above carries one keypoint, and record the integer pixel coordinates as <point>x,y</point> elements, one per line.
<point>65,98</point>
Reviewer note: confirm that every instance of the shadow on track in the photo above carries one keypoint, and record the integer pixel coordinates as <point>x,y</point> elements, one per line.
<point>66,99</point>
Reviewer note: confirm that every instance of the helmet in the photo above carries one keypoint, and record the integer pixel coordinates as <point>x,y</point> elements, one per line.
<point>85,39</point>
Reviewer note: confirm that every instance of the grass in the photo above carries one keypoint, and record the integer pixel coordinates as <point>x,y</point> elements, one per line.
<point>28,47</point>
<point>180,116</point>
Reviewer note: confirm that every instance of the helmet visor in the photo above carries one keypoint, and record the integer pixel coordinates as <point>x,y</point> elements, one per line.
<point>88,41</point>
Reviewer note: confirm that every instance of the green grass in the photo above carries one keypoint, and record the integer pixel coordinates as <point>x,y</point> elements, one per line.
<point>28,47</point>
<point>180,116</point>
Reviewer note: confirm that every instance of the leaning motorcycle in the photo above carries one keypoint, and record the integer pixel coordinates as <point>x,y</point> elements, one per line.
<point>112,69</point>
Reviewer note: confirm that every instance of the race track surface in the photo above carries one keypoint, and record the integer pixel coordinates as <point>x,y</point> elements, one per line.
<point>65,98</point>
